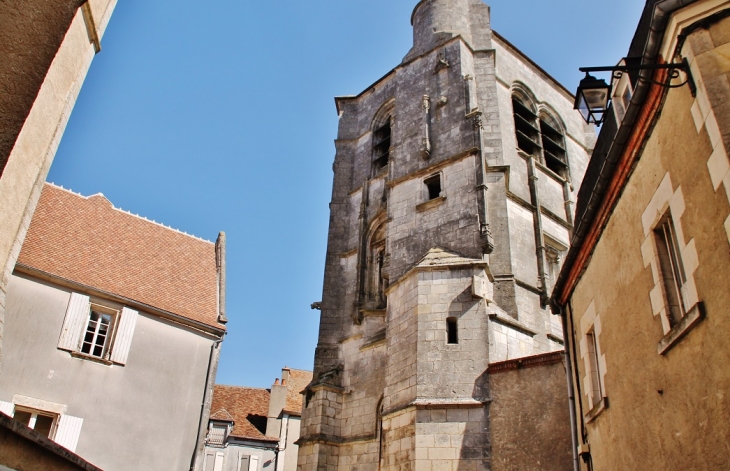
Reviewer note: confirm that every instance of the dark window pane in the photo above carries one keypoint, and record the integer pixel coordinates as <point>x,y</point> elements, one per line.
<point>452,330</point>
<point>22,417</point>
<point>43,424</point>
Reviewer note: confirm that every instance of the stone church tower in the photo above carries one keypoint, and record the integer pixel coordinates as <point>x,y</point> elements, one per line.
<point>454,181</point>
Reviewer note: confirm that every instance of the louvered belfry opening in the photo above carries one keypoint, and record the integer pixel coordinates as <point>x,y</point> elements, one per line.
<point>526,130</point>
<point>381,147</point>
<point>553,147</point>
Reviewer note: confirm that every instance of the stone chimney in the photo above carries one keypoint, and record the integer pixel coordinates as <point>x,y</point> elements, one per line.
<point>437,21</point>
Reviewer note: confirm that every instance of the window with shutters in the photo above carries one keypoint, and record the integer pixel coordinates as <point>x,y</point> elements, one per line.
<point>42,422</point>
<point>98,332</point>
<point>54,423</point>
<point>99,329</point>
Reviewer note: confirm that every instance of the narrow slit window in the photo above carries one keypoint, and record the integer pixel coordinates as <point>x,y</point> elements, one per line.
<point>671,268</point>
<point>452,331</point>
<point>433,186</point>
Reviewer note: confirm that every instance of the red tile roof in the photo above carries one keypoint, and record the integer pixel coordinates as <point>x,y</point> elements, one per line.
<point>298,380</point>
<point>247,406</point>
<point>89,241</point>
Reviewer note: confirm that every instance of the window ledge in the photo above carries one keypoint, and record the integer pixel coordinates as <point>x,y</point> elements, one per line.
<point>430,203</point>
<point>694,316</point>
<point>550,173</point>
<point>596,411</point>
<point>83,356</point>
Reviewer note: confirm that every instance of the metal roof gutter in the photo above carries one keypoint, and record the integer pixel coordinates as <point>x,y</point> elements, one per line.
<point>587,227</point>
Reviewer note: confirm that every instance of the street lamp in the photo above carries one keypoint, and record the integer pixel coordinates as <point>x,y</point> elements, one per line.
<point>594,95</point>
<point>592,98</point>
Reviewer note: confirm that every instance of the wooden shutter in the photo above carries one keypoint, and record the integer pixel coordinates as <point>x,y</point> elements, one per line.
<point>68,431</point>
<point>7,408</point>
<point>77,315</point>
<point>125,332</point>
<point>219,456</point>
<point>254,464</point>
<point>243,463</point>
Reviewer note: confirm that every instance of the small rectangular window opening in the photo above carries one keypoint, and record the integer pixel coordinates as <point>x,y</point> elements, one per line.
<point>594,375</point>
<point>672,270</point>
<point>39,421</point>
<point>433,186</point>
<point>452,331</point>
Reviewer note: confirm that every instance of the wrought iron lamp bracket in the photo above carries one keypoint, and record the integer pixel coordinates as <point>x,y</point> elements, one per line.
<point>674,68</point>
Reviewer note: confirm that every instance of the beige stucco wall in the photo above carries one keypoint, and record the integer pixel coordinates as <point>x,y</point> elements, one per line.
<point>142,415</point>
<point>35,146</point>
<point>666,411</point>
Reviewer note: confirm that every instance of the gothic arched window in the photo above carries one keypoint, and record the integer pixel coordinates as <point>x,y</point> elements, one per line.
<point>526,127</point>
<point>553,145</point>
<point>381,129</point>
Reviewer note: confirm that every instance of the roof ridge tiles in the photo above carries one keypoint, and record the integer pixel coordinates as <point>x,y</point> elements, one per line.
<point>129,212</point>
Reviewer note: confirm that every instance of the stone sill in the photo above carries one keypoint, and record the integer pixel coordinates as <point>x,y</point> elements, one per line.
<point>693,317</point>
<point>83,356</point>
<point>512,323</point>
<point>430,203</point>
<point>596,411</point>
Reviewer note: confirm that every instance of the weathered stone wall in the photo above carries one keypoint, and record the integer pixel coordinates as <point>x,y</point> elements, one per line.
<point>392,371</point>
<point>664,415</point>
<point>529,400</point>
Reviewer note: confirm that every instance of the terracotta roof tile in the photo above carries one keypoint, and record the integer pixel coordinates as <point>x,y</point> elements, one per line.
<point>248,407</point>
<point>298,380</point>
<point>89,241</point>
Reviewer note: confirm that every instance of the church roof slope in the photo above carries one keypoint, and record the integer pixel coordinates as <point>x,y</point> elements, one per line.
<point>87,240</point>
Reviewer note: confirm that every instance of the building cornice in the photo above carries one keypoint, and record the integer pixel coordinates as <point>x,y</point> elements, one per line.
<point>86,289</point>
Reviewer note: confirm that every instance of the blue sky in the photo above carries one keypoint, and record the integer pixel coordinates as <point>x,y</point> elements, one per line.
<point>220,116</point>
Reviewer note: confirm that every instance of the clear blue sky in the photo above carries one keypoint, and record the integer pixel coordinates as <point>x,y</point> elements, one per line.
<point>211,116</point>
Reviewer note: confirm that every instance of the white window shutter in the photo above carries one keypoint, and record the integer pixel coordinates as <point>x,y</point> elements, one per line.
<point>125,332</point>
<point>77,315</point>
<point>218,461</point>
<point>7,408</point>
<point>68,431</point>
<point>254,464</point>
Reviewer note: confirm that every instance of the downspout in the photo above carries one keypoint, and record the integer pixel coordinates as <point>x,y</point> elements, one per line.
<point>571,391</point>
<point>207,400</point>
<point>539,239</point>
<point>283,437</point>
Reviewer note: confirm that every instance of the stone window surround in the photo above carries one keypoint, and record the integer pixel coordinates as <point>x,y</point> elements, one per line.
<point>667,201</point>
<point>426,202</point>
<point>718,164</point>
<point>543,113</point>
<point>590,323</point>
